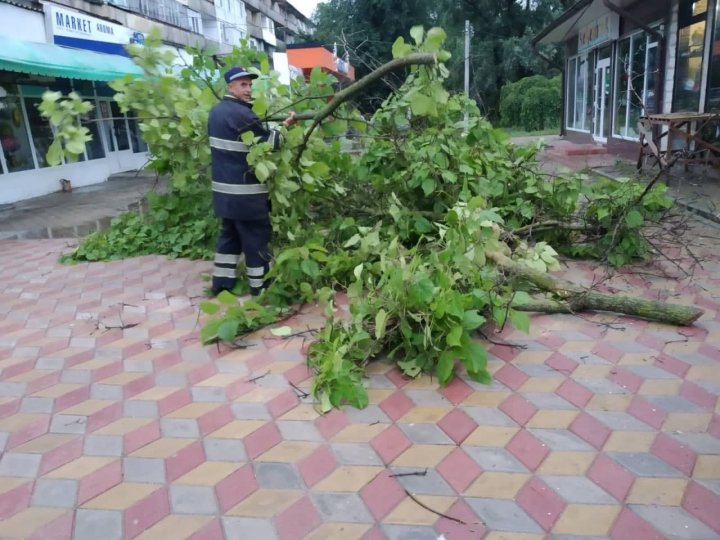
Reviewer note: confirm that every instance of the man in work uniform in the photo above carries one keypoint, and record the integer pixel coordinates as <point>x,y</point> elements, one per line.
<point>238,198</point>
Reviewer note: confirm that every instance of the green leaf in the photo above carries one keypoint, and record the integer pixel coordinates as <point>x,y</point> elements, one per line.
<point>444,368</point>
<point>420,104</point>
<point>380,323</point>
<point>453,337</point>
<point>428,186</point>
<point>520,320</point>
<point>209,332</point>
<point>417,33</point>
<point>400,49</point>
<point>354,239</point>
<point>281,331</point>
<point>262,171</point>
<point>634,219</point>
<point>228,330</point>
<point>209,307</point>
<point>325,403</point>
<point>227,298</point>
<point>472,320</point>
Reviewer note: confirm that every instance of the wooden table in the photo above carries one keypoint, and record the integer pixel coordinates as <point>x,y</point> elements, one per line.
<point>688,127</point>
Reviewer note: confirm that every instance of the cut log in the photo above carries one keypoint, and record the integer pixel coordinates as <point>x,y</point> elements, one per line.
<point>573,298</point>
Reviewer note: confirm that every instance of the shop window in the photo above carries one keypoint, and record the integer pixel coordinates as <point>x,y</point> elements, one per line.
<point>577,93</point>
<point>40,130</point>
<point>713,96</point>
<point>14,137</point>
<point>93,148</point>
<point>119,127</point>
<point>136,141</point>
<point>691,40</point>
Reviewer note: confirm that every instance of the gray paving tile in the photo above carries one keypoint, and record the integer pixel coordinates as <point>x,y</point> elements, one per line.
<point>602,386</point>
<point>50,363</point>
<point>179,427</point>
<point>106,391</point>
<point>224,450</point>
<point>170,378</point>
<point>561,439</point>
<point>702,443</point>
<point>546,400</point>
<point>277,476</point>
<point>620,421</point>
<point>674,522</point>
<point>378,380</point>
<point>103,445</point>
<point>538,370</point>
<point>578,489</point>
<point>495,459</point>
<point>12,389</point>
<point>19,465</point>
<point>712,485</point>
<point>425,434</point>
<point>369,415</point>
<point>427,397</point>
<point>673,403</point>
<point>299,430</point>
<point>431,483</point>
<point>68,423</point>
<point>487,416</point>
<point>355,454</point>
<point>250,411</point>
<point>3,440</point>
<point>141,409</point>
<point>147,470</point>
<point>644,464</point>
<point>631,347</point>
<point>192,499</point>
<point>37,405</point>
<point>81,376</point>
<point>650,372</point>
<point>237,528</point>
<point>409,532</point>
<point>138,366</point>
<point>341,507</point>
<point>501,515</point>
<point>213,394</point>
<point>55,493</point>
<point>94,524</point>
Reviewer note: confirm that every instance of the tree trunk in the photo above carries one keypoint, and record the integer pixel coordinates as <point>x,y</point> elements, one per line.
<point>575,298</point>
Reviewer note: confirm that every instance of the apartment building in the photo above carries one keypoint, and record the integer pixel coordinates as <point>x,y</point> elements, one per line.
<point>80,45</point>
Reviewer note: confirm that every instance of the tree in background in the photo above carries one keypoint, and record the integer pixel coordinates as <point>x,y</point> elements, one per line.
<point>532,103</point>
<point>501,48</point>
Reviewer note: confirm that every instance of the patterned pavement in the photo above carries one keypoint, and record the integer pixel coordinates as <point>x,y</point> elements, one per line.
<point>596,427</point>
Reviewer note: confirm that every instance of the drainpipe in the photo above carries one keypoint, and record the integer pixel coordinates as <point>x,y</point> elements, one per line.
<point>661,48</point>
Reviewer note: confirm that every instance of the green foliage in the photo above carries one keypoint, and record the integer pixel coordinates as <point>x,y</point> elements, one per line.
<point>408,227</point>
<point>532,103</point>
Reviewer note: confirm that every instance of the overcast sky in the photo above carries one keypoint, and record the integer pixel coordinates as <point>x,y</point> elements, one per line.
<point>305,6</point>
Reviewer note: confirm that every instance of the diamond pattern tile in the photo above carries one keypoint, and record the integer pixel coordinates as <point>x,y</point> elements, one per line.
<point>588,430</point>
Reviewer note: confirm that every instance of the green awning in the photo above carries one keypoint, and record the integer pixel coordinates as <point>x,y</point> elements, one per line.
<point>55,61</point>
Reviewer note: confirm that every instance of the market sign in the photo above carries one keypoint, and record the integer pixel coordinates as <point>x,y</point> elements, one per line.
<point>605,28</point>
<point>80,31</point>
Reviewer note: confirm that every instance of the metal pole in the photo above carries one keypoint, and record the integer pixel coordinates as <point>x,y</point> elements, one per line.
<point>467,66</point>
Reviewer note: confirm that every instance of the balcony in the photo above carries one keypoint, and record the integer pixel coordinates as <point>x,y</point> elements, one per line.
<point>167,11</point>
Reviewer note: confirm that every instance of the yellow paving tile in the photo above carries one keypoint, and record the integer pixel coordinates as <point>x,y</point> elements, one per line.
<point>498,485</point>
<point>348,478</point>
<point>423,382</point>
<point>241,355</point>
<point>630,441</point>
<point>586,519</point>
<point>80,467</point>
<point>122,496</point>
<point>17,421</point>
<point>408,512</point>
<point>92,364</point>
<point>57,390</point>
<point>687,422</point>
<point>91,406</point>
<point>378,395</point>
<point>344,531</point>
<point>30,376</point>
<point>575,346</point>
<point>660,387</point>
<point>707,467</point>
<point>497,535</point>
<point>44,443</point>
<point>208,473</point>
<point>359,433</point>
<point>423,455</point>
<point>24,523</point>
<point>657,491</point>
<point>637,358</point>
<point>591,371</point>
<point>156,394</point>
<point>237,429</point>
<point>123,426</point>
<point>609,402</point>
<point>261,395</point>
<point>288,451</point>
<point>552,419</point>
<point>193,410</point>
<point>493,436</point>
<point>175,526</point>
<point>8,483</point>
<point>162,448</point>
<point>567,463</point>
<point>304,411</point>
<point>532,357</point>
<point>486,399</point>
<point>541,384</point>
<point>425,414</point>
<point>265,503</point>
<point>379,367</point>
<point>220,380</point>
<point>123,378</point>
<point>703,372</point>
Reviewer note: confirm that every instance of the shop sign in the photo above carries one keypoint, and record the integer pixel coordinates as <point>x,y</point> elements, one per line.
<point>81,31</point>
<point>605,28</point>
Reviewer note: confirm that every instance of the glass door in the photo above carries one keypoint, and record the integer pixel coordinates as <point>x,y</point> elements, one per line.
<point>601,121</point>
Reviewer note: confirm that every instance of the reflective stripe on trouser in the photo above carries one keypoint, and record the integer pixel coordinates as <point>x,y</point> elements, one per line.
<point>248,237</point>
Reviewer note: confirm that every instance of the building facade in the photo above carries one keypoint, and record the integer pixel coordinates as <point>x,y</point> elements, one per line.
<point>79,45</point>
<point>629,58</point>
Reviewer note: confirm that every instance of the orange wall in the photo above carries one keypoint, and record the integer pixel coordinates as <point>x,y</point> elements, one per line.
<point>317,56</point>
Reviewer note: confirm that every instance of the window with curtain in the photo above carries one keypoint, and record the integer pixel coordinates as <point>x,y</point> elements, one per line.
<point>691,41</point>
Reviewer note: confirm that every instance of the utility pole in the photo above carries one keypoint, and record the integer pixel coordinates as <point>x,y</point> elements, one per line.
<point>467,66</point>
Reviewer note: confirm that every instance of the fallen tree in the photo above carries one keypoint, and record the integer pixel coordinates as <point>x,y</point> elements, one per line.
<point>437,228</point>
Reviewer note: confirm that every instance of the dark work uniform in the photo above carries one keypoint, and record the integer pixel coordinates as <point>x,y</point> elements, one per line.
<point>238,198</point>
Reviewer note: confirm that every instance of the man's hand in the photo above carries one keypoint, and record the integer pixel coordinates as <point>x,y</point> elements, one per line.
<point>290,120</point>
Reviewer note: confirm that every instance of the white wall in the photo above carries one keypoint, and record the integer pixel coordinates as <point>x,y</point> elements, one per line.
<point>22,24</point>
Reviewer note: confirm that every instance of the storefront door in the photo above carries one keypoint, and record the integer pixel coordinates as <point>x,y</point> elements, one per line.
<point>603,84</point>
<point>114,131</point>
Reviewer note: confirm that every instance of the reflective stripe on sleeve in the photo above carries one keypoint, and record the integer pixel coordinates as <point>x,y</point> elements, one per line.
<point>239,189</point>
<point>225,144</point>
